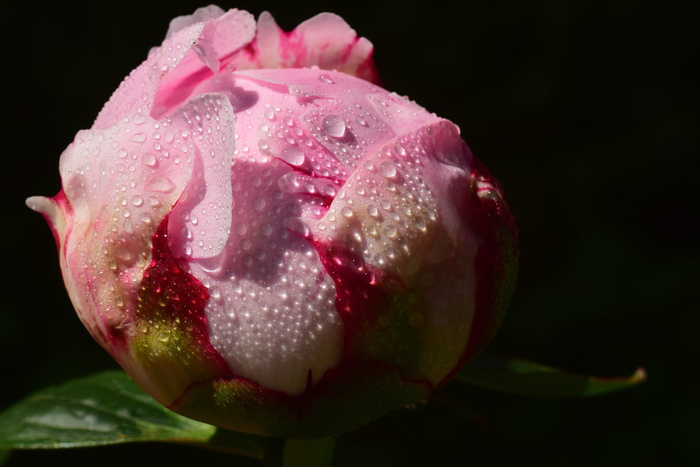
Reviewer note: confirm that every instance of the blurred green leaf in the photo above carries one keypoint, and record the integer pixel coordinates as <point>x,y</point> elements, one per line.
<point>105,408</point>
<point>526,378</point>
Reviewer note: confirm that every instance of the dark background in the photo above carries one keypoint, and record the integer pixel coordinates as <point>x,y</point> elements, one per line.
<point>585,110</point>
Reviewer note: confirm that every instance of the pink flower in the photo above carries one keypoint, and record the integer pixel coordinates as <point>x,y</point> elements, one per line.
<point>267,241</point>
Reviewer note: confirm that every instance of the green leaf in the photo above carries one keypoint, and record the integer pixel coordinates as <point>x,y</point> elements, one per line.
<point>106,408</point>
<point>526,378</point>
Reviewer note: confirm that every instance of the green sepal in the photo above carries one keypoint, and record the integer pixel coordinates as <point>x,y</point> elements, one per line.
<point>526,378</point>
<point>347,397</point>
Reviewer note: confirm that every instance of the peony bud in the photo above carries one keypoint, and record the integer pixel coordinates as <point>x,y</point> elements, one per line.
<point>267,241</point>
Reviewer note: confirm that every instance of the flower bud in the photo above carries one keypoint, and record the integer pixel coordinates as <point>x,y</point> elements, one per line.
<point>268,241</point>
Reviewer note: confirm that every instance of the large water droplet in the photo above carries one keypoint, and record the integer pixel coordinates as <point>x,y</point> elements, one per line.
<point>258,204</point>
<point>297,225</point>
<point>149,160</point>
<point>137,200</point>
<point>123,253</point>
<point>324,78</point>
<point>387,169</point>
<point>266,229</point>
<point>293,155</point>
<point>138,138</point>
<point>400,149</point>
<point>161,184</point>
<point>347,211</point>
<point>334,126</point>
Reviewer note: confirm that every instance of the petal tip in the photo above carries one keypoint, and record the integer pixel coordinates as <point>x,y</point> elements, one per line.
<point>53,212</point>
<point>40,204</point>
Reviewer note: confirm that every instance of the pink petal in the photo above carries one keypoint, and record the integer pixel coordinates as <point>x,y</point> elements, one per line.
<point>200,223</point>
<point>325,40</point>
<point>199,16</point>
<point>406,204</point>
<point>184,60</point>
<point>120,183</point>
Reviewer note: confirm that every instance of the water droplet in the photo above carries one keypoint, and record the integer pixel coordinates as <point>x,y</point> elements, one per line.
<point>324,78</point>
<point>258,204</point>
<point>138,138</point>
<point>387,169</point>
<point>161,184</point>
<point>372,210</point>
<point>123,253</point>
<point>357,236</point>
<point>293,155</point>
<point>360,120</point>
<point>281,292</point>
<point>347,211</point>
<point>369,165</point>
<point>137,200</point>
<point>138,119</point>
<point>329,190</point>
<point>149,160</point>
<point>333,126</point>
<point>266,229</point>
<point>297,225</point>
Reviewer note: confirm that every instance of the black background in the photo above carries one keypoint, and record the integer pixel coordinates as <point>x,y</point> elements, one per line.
<point>586,112</point>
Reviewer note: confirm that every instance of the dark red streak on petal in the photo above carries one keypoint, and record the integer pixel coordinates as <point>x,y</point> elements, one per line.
<point>171,295</point>
<point>362,291</point>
